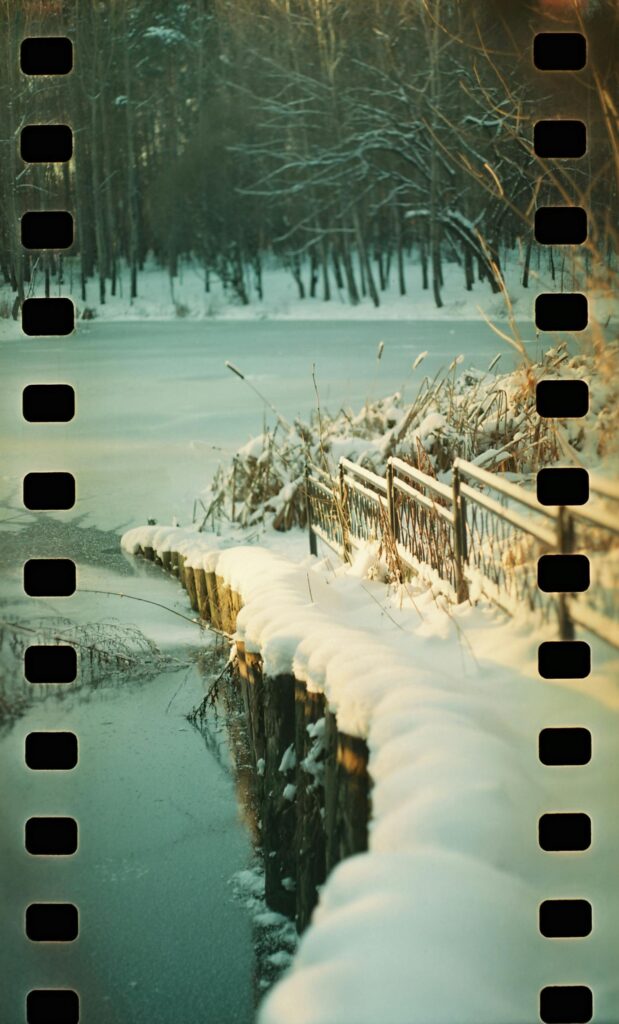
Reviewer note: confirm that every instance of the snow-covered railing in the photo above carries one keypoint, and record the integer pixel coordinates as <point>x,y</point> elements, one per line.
<point>505,533</point>
<point>483,535</point>
<point>423,523</point>
<point>364,499</point>
<point>325,518</point>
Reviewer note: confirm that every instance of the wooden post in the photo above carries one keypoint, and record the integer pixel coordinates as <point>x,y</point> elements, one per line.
<point>391,502</point>
<point>565,544</point>
<point>393,521</point>
<point>255,701</point>
<point>310,832</point>
<point>233,488</point>
<point>354,787</point>
<point>243,671</point>
<point>181,570</point>
<point>308,513</point>
<point>459,512</point>
<point>201,594</point>
<point>190,584</point>
<point>223,594</point>
<point>213,599</point>
<point>236,603</point>
<point>347,794</point>
<point>278,811</point>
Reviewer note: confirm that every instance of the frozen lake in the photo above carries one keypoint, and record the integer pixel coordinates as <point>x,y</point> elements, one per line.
<point>157,409</point>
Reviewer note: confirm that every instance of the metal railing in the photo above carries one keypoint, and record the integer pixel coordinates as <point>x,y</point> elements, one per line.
<point>483,535</point>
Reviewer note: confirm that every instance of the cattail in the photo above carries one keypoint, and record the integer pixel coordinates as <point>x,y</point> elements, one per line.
<point>420,358</point>
<point>381,346</point>
<point>234,369</point>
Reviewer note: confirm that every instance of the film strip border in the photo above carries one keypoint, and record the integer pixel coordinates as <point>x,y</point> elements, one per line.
<point>46,920</point>
<point>565,572</point>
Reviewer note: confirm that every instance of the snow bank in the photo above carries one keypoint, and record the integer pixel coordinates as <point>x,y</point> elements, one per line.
<point>437,923</point>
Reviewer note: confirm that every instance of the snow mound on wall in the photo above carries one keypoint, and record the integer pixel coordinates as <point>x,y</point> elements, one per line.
<point>438,922</point>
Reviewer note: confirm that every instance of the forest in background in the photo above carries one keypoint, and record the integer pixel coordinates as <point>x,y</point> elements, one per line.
<point>345,139</point>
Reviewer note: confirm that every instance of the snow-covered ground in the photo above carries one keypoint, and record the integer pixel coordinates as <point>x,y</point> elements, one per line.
<point>186,297</point>
<point>438,922</point>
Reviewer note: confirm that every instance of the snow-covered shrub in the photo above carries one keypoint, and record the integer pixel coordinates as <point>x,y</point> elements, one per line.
<point>486,417</point>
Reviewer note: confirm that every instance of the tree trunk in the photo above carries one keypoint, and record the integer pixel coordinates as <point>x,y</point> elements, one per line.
<point>364,258</point>
<point>351,284</point>
<point>469,271</point>
<point>96,194</point>
<point>397,227</point>
<point>324,259</point>
<point>339,280</point>
<point>313,274</point>
<point>435,253</point>
<point>423,257</point>
<point>131,183</point>
<point>296,273</point>
<point>14,230</point>
<point>108,199</point>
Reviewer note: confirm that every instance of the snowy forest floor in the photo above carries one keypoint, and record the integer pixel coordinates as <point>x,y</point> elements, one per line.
<point>160,298</point>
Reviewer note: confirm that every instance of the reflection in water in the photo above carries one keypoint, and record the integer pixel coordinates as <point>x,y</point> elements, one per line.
<point>110,653</point>
<point>224,730</point>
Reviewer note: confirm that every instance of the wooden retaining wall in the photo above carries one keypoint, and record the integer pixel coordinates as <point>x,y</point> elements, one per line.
<point>314,793</point>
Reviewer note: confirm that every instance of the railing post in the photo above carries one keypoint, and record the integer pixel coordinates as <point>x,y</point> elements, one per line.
<point>234,488</point>
<point>343,515</point>
<point>393,522</point>
<point>391,501</point>
<point>459,512</point>
<point>565,545</point>
<point>308,512</point>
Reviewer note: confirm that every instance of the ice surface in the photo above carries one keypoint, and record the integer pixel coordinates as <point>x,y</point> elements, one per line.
<point>160,833</point>
<point>157,410</point>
